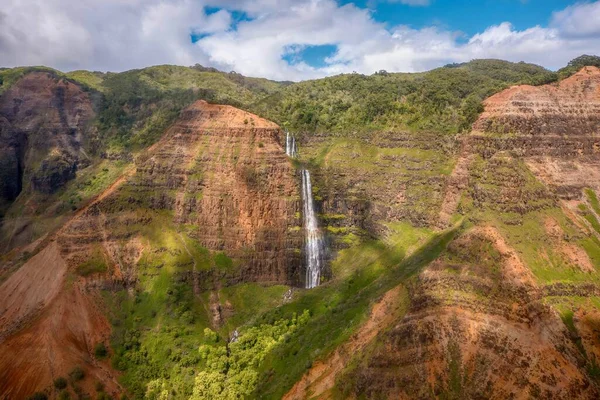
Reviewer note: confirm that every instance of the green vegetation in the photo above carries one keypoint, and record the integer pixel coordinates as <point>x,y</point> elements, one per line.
<point>11,75</point>
<point>96,263</point>
<point>522,217</point>
<point>139,105</point>
<point>159,329</point>
<point>64,395</point>
<point>88,79</point>
<point>38,396</point>
<point>232,370</point>
<point>444,100</point>
<point>577,63</point>
<point>100,350</point>
<point>60,383</point>
<point>340,306</point>
<point>590,217</point>
<point>76,374</point>
<point>593,199</point>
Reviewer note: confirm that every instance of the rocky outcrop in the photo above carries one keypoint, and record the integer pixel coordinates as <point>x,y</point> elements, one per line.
<point>570,108</point>
<point>43,123</point>
<point>368,181</point>
<point>477,328</point>
<point>221,173</point>
<point>554,129</point>
<point>220,176</point>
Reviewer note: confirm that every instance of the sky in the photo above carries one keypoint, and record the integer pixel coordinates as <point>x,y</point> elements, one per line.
<point>294,39</point>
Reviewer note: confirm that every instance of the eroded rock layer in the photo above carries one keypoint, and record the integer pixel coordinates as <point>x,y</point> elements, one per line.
<point>477,328</point>
<point>217,183</point>
<point>555,128</point>
<point>43,120</point>
<point>220,173</point>
<point>570,108</point>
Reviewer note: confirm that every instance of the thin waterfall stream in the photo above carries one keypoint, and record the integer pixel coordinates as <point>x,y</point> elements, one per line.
<point>314,247</point>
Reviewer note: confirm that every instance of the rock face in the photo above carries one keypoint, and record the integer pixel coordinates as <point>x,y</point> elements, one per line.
<point>571,108</point>
<point>231,180</point>
<point>43,120</point>
<point>555,128</point>
<point>477,328</point>
<point>220,172</point>
<point>219,175</point>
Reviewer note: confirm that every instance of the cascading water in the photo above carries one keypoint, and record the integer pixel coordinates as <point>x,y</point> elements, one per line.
<point>314,238</point>
<point>291,148</point>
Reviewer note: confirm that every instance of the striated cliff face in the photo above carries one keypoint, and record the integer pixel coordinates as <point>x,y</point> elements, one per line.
<point>555,128</point>
<point>43,120</point>
<point>504,312</point>
<point>477,328</point>
<point>570,108</point>
<point>217,186</point>
<point>220,175</point>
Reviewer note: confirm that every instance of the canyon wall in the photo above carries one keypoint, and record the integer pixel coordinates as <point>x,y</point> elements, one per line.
<point>217,183</point>
<point>554,128</point>
<point>43,123</point>
<point>221,175</point>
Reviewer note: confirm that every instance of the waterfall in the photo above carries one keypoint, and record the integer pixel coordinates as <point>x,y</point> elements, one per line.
<point>314,239</point>
<point>291,148</point>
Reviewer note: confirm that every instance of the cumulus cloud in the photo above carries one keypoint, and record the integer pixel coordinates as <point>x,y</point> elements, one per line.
<point>580,20</point>
<point>122,34</point>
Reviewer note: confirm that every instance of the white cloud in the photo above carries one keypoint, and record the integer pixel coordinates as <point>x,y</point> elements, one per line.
<point>580,20</point>
<point>124,34</point>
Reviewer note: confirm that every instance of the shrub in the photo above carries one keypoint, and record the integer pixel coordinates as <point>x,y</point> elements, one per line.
<point>99,386</point>
<point>60,383</point>
<point>38,396</point>
<point>77,374</point>
<point>100,350</point>
<point>64,395</point>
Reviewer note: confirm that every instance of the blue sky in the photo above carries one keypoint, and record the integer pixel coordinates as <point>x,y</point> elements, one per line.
<point>294,39</point>
<point>467,16</point>
<point>463,16</point>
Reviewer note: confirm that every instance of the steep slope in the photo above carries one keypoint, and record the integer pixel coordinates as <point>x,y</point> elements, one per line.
<point>477,328</point>
<point>508,309</point>
<point>571,108</point>
<point>214,202</point>
<point>556,129</point>
<point>43,120</point>
<point>219,174</point>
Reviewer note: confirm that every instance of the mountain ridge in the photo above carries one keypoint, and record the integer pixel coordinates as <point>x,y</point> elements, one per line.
<point>461,263</point>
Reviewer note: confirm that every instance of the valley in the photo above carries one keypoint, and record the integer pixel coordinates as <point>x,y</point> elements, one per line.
<point>183,233</point>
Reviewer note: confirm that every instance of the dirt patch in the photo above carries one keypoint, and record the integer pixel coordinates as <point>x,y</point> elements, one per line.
<point>64,336</point>
<point>320,379</point>
<point>575,254</point>
<point>513,269</point>
<point>587,322</point>
<point>60,325</point>
<point>30,289</point>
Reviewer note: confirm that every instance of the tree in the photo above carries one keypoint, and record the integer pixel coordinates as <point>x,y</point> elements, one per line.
<point>577,64</point>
